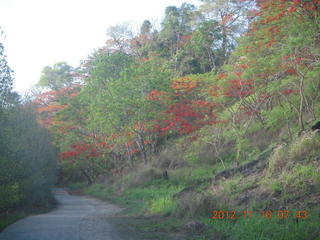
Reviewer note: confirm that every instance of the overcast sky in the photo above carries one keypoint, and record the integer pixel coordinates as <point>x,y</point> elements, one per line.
<point>43,32</point>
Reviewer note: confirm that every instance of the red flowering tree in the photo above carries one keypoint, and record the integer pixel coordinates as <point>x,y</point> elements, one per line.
<point>186,109</point>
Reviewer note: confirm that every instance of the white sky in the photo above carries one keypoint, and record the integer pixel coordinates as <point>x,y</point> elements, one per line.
<point>43,32</point>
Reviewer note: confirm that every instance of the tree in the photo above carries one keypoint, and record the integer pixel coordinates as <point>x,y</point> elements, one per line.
<point>58,76</point>
<point>119,36</point>
<point>5,78</point>
<point>230,15</point>
<point>177,23</point>
<point>145,28</point>
<point>28,159</point>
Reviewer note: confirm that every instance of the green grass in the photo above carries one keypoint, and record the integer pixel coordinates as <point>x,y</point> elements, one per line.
<point>77,186</point>
<point>265,229</point>
<point>153,199</point>
<point>7,219</point>
<point>162,205</point>
<point>153,205</point>
<point>98,190</point>
<point>152,209</point>
<point>149,200</point>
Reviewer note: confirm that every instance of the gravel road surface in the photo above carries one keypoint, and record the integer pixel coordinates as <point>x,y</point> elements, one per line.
<point>75,218</point>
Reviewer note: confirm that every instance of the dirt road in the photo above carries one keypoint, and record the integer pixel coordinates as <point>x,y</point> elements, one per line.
<point>75,218</point>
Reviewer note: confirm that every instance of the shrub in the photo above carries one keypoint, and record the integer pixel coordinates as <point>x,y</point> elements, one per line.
<point>9,196</point>
<point>277,160</point>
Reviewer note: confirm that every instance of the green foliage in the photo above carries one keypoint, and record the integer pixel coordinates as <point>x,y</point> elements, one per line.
<point>76,186</point>
<point>192,158</point>
<point>278,116</point>
<point>10,195</point>
<point>58,76</point>
<point>28,160</point>
<point>98,190</point>
<point>6,79</point>
<point>149,200</point>
<point>7,219</point>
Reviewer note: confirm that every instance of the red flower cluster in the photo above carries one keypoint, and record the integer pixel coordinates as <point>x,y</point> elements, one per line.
<point>240,88</point>
<point>78,149</point>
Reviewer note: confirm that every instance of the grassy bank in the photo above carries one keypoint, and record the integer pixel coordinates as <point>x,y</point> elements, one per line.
<point>155,211</point>
<point>19,212</point>
<point>273,194</point>
<point>9,218</point>
<point>154,221</point>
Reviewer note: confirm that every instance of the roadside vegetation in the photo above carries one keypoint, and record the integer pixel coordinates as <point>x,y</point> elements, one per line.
<point>28,159</point>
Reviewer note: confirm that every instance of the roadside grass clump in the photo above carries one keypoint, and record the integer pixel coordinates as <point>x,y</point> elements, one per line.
<point>163,205</point>
<point>10,196</point>
<point>8,218</point>
<point>77,186</point>
<point>98,190</point>
<point>149,200</point>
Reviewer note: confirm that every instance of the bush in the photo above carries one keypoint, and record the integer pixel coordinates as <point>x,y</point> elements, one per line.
<point>10,195</point>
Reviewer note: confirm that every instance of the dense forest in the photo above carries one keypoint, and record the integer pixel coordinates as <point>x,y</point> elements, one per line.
<point>28,158</point>
<point>215,110</point>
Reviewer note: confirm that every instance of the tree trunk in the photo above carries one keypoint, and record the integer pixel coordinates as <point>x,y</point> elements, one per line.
<point>87,176</point>
<point>142,148</point>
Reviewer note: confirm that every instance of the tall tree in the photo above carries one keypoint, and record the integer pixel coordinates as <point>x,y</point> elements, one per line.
<point>5,78</point>
<point>119,36</point>
<point>231,17</point>
<point>58,76</point>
